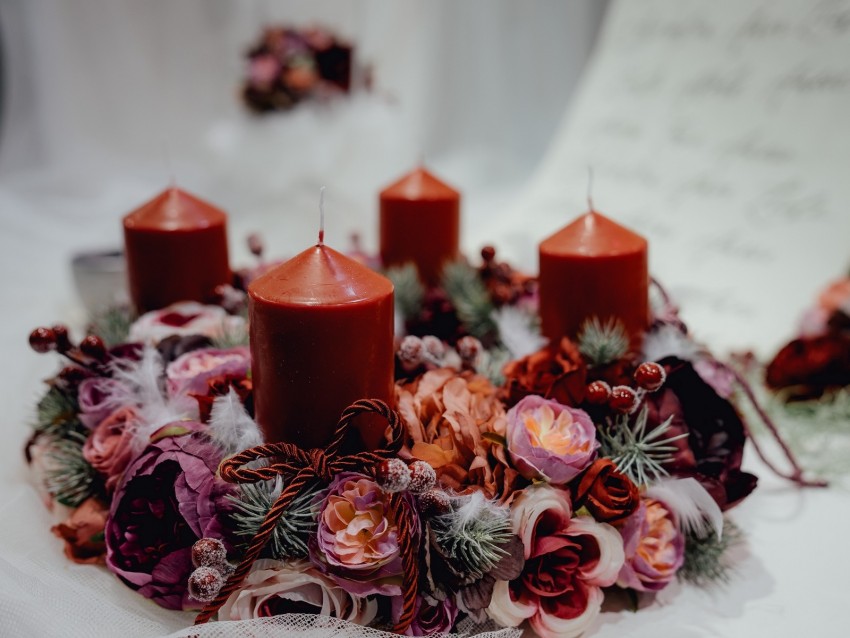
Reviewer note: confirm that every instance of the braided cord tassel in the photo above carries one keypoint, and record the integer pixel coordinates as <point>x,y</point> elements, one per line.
<point>408,533</point>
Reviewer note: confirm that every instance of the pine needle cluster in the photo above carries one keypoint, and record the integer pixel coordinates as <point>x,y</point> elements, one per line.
<point>56,412</point>
<point>470,298</point>
<point>409,291</point>
<point>289,539</point>
<point>706,562</point>
<point>474,534</point>
<point>112,325</point>
<point>70,479</point>
<point>638,453</point>
<point>602,342</point>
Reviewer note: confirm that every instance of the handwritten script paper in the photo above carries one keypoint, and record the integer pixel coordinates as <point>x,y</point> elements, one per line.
<point>721,132</point>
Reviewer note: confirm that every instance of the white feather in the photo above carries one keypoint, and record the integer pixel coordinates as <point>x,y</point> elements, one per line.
<point>230,426</point>
<point>145,379</point>
<point>695,511</point>
<point>669,341</point>
<point>517,331</point>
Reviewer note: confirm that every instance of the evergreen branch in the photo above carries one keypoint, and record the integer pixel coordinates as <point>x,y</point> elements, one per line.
<point>70,479</point>
<point>601,342</point>
<point>56,413</point>
<point>470,298</point>
<point>706,562</point>
<point>409,291</point>
<point>112,325</point>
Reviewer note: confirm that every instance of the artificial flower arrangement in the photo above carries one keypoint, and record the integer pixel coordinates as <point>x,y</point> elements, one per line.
<point>520,481</point>
<point>287,66</point>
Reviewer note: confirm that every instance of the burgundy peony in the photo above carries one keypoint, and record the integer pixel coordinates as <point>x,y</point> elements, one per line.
<point>109,448</point>
<point>712,451</point>
<point>436,618</point>
<point>169,498</point>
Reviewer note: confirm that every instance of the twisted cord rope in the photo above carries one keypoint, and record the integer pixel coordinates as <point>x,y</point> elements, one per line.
<point>304,466</point>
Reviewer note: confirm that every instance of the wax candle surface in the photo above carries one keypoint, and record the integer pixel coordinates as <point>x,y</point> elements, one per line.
<point>321,338</point>
<point>593,267</point>
<point>420,223</point>
<point>176,248</point>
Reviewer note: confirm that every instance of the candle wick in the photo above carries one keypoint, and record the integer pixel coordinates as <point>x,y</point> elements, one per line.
<point>590,188</point>
<point>322,216</point>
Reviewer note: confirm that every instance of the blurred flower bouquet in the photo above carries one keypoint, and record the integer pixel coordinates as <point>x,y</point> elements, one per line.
<point>520,482</point>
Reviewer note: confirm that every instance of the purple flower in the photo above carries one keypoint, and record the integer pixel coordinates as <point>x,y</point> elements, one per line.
<point>429,619</point>
<point>356,543</point>
<point>189,373</point>
<point>99,397</point>
<point>654,546</point>
<point>169,498</point>
<point>550,441</point>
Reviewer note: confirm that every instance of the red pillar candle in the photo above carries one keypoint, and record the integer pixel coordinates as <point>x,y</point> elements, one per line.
<point>321,338</point>
<point>176,248</point>
<point>420,223</point>
<point>593,267</point>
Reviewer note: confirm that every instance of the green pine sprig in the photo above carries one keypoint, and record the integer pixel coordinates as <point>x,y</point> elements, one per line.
<point>706,561</point>
<point>638,453</point>
<point>289,539</point>
<point>474,534</point>
<point>56,413</point>
<point>470,298</point>
<point>70,479</point>
<point>112,325</point>
<point>409,291</point>
<point>602,342</point>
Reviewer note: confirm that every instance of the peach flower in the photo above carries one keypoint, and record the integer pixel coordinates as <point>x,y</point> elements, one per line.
<point>655,548</point>
<point>453,421</point>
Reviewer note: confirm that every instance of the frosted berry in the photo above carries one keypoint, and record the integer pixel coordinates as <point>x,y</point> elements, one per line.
<point>92,346</point>
<point>411,351</point>
<point>650,376</point>
<point>205,583</point>
<point>208,552</point>
<point>469,348</point>
<point>422,477</point>
<point>63,342</point>
<point>434,503</point>
<point>392,475</point>
<point>42,340</point>
<point>255,244</point>
<point>623,399</point>
<point>598,392</point>
<point>434,347</point>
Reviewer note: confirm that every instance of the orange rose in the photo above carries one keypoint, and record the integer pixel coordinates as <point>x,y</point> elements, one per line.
<point>558,373</point>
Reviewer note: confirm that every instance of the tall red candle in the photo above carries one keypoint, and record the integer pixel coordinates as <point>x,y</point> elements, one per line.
<point>176,248</point>
<point>593,267</point>
<point>420,223</point>
<point>321,338</point>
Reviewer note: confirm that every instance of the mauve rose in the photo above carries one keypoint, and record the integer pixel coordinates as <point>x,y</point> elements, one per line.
<point>356,543</point>
<point>714,447</point>
<point>98,397</point>
<point>109,448</point>
<point>567,562</point>
<point>608,494</point>
<point>169,498</point>
<point>429,619</point>
<point>189,373</point>
<point>184,318</point>
<point>275,587</point>
<point>654,547</point>
<point>549,441</point>
<point>83,532</point>
<point>557,373</point>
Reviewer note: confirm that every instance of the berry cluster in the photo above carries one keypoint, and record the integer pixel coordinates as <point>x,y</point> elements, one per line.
<point>209,556</point>
<point>419,478</point>
<point>649,377</point>
<point>90,353</point>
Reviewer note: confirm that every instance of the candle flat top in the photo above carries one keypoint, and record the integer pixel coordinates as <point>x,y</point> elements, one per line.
<point>419,184</point>
<point>320,276</point>
<point>593,234</point>
<point>175,209</point>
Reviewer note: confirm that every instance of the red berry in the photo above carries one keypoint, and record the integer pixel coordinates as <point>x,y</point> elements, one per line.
<point>434,503</point>
<point>42,340</point>
<point>422,477</point>
<point>598,392</point>
<point>63,342</point>
<point>488,253</point>
<point>650,376</point>
<point>392,475</point>
<point>434,347</point>
<point>623,399</point>
<point>92,346</point>
<point>205,583</point>
<point>208,552</point>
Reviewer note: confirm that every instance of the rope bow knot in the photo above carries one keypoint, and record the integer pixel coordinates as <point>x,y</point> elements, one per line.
<point>302,467</point>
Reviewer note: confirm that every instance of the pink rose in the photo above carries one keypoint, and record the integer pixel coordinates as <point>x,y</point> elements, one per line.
<point>567,562</point>
<point>654,546</point>
<point>109,448</point>
<point>183,319</point>
<point>189,373</point>
<point>275,587</point>
<point>98,397</point>
<point>550,441</point>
